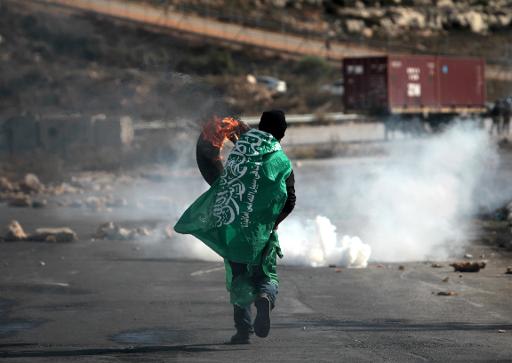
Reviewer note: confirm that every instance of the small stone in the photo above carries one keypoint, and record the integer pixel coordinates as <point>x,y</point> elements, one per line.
<point>42,263</point>
<point>467,266</point>
<point>447,293</point>
<point>6,185</point>
<point>509,270</point>
<point>143,231</point>
<point>367,32</point>
<point>63,234</point>
<point>502,331</point>
<point>50,238</point>
<point>20,200</point>
<point>437,265</point>
<point>468,256</point>
<point>446,279</point>
<point>31,184</point>
<point>401,267</point>
<point>14,232</point>
<point>354,25</point>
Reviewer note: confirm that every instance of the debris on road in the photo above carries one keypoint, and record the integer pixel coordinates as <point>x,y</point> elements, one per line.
<point>469,256</point>
<point>19,200</point>
<point>509,270</point>
<point>14,232</point>
<point>31,184</point>
<point>63,234</point>
<point>446,279</point>
<point>466,266</point>
<point>6,185</point>
<point>112,231</point>
<point>401,268</point>
<point>436,265</point>
<point>64,188</point>
<point>447,293</point>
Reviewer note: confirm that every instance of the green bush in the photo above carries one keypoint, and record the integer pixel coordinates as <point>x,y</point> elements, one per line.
<point>314,68</point>
<point>214,61</point>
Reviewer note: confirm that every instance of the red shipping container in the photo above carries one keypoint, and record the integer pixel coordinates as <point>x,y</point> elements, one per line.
<point>403,84</point>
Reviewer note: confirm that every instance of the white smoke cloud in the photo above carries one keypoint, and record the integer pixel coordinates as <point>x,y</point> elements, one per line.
<point>315,243</point>
<point>419,204</point>
<point>414,204</point>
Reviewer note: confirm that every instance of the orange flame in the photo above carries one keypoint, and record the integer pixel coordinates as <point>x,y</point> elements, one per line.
<point>217,131</point>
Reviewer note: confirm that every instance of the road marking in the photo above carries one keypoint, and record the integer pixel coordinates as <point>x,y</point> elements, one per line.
<point>50,283</point>
<point>202,272</point>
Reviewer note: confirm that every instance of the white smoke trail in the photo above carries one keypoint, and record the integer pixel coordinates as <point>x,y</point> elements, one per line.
<point>315,243</point>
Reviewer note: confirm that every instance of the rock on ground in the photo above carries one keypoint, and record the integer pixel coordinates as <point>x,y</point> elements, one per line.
<point>14,232</point>
<point>19,200</point>
<point>6,185</point>
<point>63,234</point>
<point>31,184</point>
<point>112,231</point>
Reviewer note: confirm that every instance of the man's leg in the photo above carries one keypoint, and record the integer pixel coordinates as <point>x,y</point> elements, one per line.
<point>265,302</point>
<point>241,315</point>
<point>243,321</point>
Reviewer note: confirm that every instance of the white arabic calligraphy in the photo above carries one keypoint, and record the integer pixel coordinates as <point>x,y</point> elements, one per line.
<point>232,190</point>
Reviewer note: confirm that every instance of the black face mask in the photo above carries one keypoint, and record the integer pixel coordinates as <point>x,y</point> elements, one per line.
<point>274,123</point>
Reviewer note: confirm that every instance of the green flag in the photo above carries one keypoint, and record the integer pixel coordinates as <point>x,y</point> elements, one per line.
<point>236,216</point>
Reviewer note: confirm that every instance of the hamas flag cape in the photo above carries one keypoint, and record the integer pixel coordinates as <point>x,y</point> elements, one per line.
<point>236,216</point>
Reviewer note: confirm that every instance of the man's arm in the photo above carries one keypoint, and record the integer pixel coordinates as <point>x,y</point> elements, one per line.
<point>290,200</point>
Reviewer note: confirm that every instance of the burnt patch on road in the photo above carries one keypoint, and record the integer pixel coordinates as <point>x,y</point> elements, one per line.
<point>151,336</point>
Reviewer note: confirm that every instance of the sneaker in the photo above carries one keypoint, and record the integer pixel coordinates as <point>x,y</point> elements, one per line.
<point>240,338</point>
<point>262,321</point>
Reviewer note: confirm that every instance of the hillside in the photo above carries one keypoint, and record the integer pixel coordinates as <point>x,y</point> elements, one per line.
<point>54,61</point>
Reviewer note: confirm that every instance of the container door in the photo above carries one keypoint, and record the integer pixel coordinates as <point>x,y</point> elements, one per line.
<point>461,82</point>
<point>412,84</point>
<point>365,84</point>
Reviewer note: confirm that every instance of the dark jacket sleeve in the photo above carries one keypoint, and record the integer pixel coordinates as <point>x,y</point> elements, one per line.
<point>290,200</point>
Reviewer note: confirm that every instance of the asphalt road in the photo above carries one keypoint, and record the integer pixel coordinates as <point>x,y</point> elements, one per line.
<point>110,301</point>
